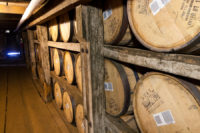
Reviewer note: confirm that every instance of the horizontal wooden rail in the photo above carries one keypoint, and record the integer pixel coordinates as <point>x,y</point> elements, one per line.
<point>65,85</point>
<point>65,46</point>
<point>117,125</point>
<point>179,64</point>
<point>63,6</point>
<point>36,41</point>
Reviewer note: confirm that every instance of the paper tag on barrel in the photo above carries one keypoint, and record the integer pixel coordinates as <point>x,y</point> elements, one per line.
<point>163,118</point>
<point>107,14</point>
<point>157,5</point>
<point>108,86</point>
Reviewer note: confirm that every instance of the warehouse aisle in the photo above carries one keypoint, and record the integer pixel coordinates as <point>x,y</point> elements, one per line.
<point>21,108</point>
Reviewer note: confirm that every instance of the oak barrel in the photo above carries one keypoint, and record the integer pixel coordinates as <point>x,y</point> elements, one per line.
<point>166,25</point>
<point>51,51</point>
<point>69,67</point>
<point>164,104</point>
<point>115,20</point>
<point>58,56</point>
<point>58,95</point>
<point>80,118</point>
<point>69,107</point>
<point>53,29</point>
<point>78,73</point>
<point>119,85</point>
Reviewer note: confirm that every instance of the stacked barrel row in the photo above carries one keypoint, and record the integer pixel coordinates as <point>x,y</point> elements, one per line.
<point>67,65</point>
<point>159,25</point>
<point>151,102</point>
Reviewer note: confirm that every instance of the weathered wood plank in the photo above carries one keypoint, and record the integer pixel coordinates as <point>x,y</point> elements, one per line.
<point>32,53</point>
<point>36,41</point>
<point>44,52</point>
<point>12,9</point>
<point>93,67</point>
<point>117,125</point>
<point>183,65</point>
<point>59,9</point>
<point>65,46</point>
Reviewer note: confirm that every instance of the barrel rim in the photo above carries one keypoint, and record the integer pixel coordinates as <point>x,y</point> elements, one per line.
<point>179,48</point>
<point>136,91</point>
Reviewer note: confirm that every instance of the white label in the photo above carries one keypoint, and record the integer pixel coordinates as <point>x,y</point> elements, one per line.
<point>107,14</point>
<point>67,106</point>
<point>157,5</point>
<point>82,125</point>
<point>108,86</point>
<point>164,118</point>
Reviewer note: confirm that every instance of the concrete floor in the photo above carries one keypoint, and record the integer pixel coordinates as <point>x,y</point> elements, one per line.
<point>21,107</point>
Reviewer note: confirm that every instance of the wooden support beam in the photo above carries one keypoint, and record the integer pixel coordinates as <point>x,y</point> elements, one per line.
<point>44,52</point>
<point>65,46</point>
<point>179,64</point>
<point>92,62</point>
<point>12,9</point>
<point>59,9</point>
<point>32,53</point>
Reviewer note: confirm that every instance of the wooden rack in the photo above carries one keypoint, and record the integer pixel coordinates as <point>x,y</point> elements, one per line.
<point>93,51</point>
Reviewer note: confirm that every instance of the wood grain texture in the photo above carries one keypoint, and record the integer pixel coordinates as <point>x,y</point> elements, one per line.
<point>32,52</point>
<point>44,51</point>
<point>183,65</point>
<point>65,46</point>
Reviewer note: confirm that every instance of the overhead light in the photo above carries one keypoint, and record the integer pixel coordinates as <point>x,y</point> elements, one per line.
<point>13,53</point>
<point>7,31</point>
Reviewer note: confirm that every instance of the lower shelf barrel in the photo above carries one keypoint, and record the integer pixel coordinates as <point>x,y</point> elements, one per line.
<point>164,104</point>
<point>80,118</point>
<point>58,95</point>
<point>119,86</point>
<point>58,56</point>
<point>78,73</point>
<point>69,67</point>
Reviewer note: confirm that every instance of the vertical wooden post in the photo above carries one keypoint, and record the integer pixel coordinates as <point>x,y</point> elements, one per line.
<point>93,68</point>
<point>26,51</point>
<point>44,52</point>
<point>32,53</point>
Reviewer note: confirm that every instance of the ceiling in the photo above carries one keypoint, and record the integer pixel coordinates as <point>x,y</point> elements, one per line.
<point>11,12</point>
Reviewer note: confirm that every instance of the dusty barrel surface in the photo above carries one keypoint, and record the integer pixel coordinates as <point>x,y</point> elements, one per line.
<point>69,67</point>
<point>115,20</point>
<point>164,104</point>
<point>69,107</point>
<point>58,95</point>
<point>53,29</point>
<point>78,73</point>
<point>80,118</point>
<point>166,25</point>
<point>58,56</point>
<point>119,85</point>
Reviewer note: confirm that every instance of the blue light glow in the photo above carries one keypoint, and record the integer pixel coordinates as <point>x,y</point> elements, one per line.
<point>13,53</point>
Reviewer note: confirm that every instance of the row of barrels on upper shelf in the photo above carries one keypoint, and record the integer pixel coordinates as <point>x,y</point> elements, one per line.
<point>158,103</point>
<point>159,25</point>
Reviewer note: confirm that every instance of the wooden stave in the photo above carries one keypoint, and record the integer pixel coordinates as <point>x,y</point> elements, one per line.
<point>80,125</point>
<point>192,46</point>
<point>59,101</point>
<point>124,32</point>
<point>183,83</point>
<point>50,30</point>
<point>60,55</point>
<point>73,59</point>
<point>51,52</point>
<point>73,107</point>
<point>127,86</point>
<point>131,122</point>
<point>78,78</point>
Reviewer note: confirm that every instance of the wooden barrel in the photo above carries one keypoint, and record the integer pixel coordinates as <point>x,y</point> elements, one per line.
<point>40,73</point>
<point>58,62</point>
<point>164,104</point>
<point>69,107</point>
<point>80,118</point>
<point>66,27</point>
<point>116,27</point>
<point>119,85</point>
<point>58,95</point>
<point>53,29</point>
<point>165,26</point>
<point>78,73</point>
<point>51,51</point>
<point>69,67</point>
